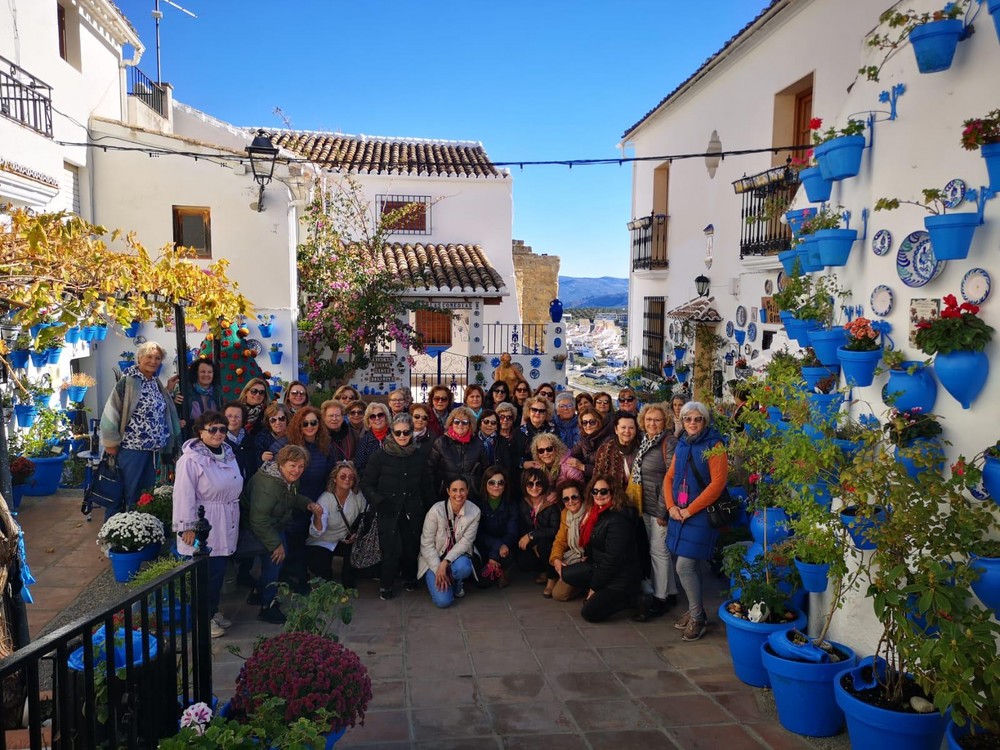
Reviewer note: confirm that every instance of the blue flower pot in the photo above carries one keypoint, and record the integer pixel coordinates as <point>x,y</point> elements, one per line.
<point>815,577</point>
<point>812,375</point>
<point>790,262</point>
<point>991,151</point>
<point>907,391</point>
<point>266,330</point>
<point>812,261</point>
<point>804,694</point>
<point>840,158</point>
<point>76,393</point>
<point>934,44</point>
<point>48,473</point>
<point>668,371</point>
<point>987,586</point>
<point>679,352</point>
<point>825,406</point>
<point>745,639</point>
<point>100,333</point>
<point>849,448</point>
<point>126,564</point>
<point>124,364</point>
<point>818,187</point>
<point>682,377</point>
<point>818,491</point>
<point>951,234</point>
<point>87,333</point>
<point>799,330</point>
<point>18,358</point>
<point>797,217</point>
<point>859,367</point>
<point>826,341</point>
<point>54,354</point>
<point>769,525</point>
<point>994,8</point>
<point>928,452</point>
<point>874,728</point>
<point>963,374</point>
<point>26,414</point>
<point>991,478</point>
<point>954,733</point>
<point>275,357</point>
<point>39,359</point>
<point>72,334</point>
<point>835,245</point>
<point>860,528</point>
<point>133,330</point>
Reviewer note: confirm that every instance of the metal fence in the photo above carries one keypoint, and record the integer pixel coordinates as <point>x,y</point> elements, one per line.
<point>24,98</point>
<point>512,338</point>
<point>446,368</point>
<point>145,90</point>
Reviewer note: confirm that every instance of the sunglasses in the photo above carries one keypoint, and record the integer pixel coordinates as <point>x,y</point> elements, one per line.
<point>402,433</point>
<point>420,417</point>
<point>496,482</point>
<point>694,419</point>
<point>310,423</point>
<point>257,391</point>
<point>603,402</point>
<point>377,415</point>
<point>348,397</point>
<point>506,417</point>
<point>546,449</point>
<point>499,390</point>
<point>548,394</point>
<point>488,421</point>
<point>589,422</point>
<point>440,399</point>
<point>296,393</point>
<point>536,410</point>
<point>533,483</point>
<point>602,491</point>
<point>626,399</point>
<point>357,413</point>
<point>572,498</point>
<point>215,429</point>
<point>279,418</point>
<point>520,390</point>
<point>460,421</point>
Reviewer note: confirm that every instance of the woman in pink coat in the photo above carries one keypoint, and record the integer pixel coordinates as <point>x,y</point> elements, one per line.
<point>207,475</point>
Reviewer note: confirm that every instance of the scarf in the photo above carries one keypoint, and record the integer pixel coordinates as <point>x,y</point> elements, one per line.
<point>253,414</point>
<point>270,468</point>
<point>489,445</point>
<point>380,434</point>
<point>477,413</point>
<point>238,437</point>
<point>574,550</point>
<point>647,443</point>
<point>457,438</point>
<point>392,448</point>
<point>587,527</point>
<point>494,502</point>
<point>342,442</point>
<point>203,390</point>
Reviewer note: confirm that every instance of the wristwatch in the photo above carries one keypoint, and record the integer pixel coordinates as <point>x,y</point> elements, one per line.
<point>531,535</point>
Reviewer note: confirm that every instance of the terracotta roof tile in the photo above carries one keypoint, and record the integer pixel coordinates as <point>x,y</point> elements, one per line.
<point>698,310</point>
<point>442,267</point>
<point>388,155</point>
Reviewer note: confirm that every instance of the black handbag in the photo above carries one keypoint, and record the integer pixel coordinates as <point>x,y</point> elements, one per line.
<point>366,550</point>
<point>725,510</point>
<point>106,490</point>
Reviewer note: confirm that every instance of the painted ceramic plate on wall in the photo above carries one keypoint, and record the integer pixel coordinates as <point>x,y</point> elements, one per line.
<point>254,345</point>
<point>954,193</point>
<point>768,286</point>
<point>730,328</point>
<point>752,332</point>
<point>976,286</point>
<point>741,316</point>
<point>915,261</point>
<point>882,300</point>
<point>882,242</point>
<point>782,281</point>
<point>754,354</point>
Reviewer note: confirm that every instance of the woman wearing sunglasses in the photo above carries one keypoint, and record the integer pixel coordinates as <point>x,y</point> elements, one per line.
<point>488,425</point>
<point>255,397</point>
<point>594,432</point>
<point>567,549</point>
<point>356,417</point>
<point>439,400</point>
<point>423,437</point>
<point>296,396</point>
<point>331,530</point>
<point>498,393</point>
<point>539,525</point>
<point>604,404</point>
<point>496,538</point>
<point>550,455</point>
<point>458,453</point>
<point>207,475</point>
<point>397,483</point>
<point>538,413</point>
<point>376,430</point>
<point>505,443</point>
<point>274,430</point>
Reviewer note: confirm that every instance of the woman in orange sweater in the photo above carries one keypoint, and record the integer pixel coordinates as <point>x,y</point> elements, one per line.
<point>693,482</point>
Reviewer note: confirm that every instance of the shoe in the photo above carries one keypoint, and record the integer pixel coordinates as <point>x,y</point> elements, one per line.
<point>682,623</point>
<point>216,630</point>
<point>695,629</point>
<point>222,621</point>
<point>504,580</point>
<point>385,594</point>
<point>542,578</point>
<point>272,614</point>
<point>459,589</point>
<point>549,586</point>
<point>410,585</point>
<point>644,609</point>
<point>254,597</point>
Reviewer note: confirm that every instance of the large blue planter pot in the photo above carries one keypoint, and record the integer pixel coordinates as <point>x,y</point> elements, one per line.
<point>963,374</point>
<point>126,564</point>
<point>789,261</point>
<point>797,217</point>
<point>909,391</point>
<point>825,406</point>
<point>987,586</point>
<point>928,451</point>
<point>799,330</point>
<point>812,260</point>
<point>818,187</point>
<point>859,367</point>
<point>825,342</point>
<point>745,639</point>
<point>991,151</point>
<point>840,158</point>
<point>815,577</point>
<point>804,694</point>
<point>954,733</point>
<point>835,245</point>
<point>18,358</point>
<point>48,473</point>
<point>860,528</point>
<point>874,728</point>
<point>991,478</point>
<point>807,261</point>
<point>934,44</point>
<point>951,234</point>
<point>812,375</point>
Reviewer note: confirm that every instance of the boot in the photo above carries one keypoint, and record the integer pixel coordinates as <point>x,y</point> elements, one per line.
<point>550,584</point>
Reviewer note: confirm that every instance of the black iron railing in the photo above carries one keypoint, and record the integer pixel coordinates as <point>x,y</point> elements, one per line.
<point>766,197</point>
<point>25,99</point>
<point>512,338</point>
<point>146,91</point>
<point>649,242</point>
<point>167,665</point>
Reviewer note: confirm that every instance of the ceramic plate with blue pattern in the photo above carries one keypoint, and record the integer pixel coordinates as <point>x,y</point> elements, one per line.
<point>976,286</point>
<point>730,328</point>
<point>882,242</point>
<point>915,261</point>
<point>752,332</point>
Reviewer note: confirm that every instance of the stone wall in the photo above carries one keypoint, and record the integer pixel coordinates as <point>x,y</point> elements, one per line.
<point>537,280</point>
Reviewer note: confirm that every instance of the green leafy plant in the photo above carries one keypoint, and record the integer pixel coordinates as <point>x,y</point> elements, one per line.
<point>900,24</point>
<point>327,605</point>
<point>934,202</point>
<point>980,131</point>
<point>826,218</point>
<point>959,328</point>
<point>903,427</point>
<point>993,451</point>
<point>765,579</point>
<point>45,438</point>
<point>820,304</point>
<point>861,337</point>
<point>265,727</point>
<point>783,364</point>
<point>853,127</point>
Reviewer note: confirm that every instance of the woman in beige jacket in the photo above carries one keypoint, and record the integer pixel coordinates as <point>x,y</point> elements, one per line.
<point>449,532</point>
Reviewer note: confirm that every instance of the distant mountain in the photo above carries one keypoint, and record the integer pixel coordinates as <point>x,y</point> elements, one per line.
<point>603,292</point>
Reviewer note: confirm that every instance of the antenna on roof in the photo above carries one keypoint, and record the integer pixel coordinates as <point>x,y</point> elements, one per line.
<point>157,15</point>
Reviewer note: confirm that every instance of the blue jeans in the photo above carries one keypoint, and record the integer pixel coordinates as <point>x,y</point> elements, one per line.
<point>138,474</point>
<point>269,572</point>
<point>216,577</point>
<point>460,570</point>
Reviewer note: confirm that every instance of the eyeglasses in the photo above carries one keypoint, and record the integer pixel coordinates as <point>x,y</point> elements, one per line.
<point>589,422</point>
<point>546,449</point>
<point>357,413</point>
<point>420,417</point>
<point>460,421</point>
<point>348,397</point>
<point>440,399</point>
<point>310,423</point>
<point>536,410</point>
<point>215,429</point>
<point>257,391</point>
<point>602,491</point>
<point>626,399</point>
<point>397,401</point>
<point>490,422</point>
<point>496,482</point>
<point>296,393</point>
<point>278,418</point>
<point>533,483</point>
<point>694,419</point>
<point>377,415</point>
<point>565,404</point>
<point>402,433</point>
<point>506,417</point>
<point>572,498</point>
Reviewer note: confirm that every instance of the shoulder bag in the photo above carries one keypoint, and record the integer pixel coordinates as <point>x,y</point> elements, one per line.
<point>725,510</point>
<point>106,488</point>
<point>366,551</point>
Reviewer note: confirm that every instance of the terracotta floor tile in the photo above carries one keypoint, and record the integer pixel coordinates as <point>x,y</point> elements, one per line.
<point>523,687</point>
<point>531,718</point>
<point>600,715</point>
<point>633,740</point>
<point>647,682</point>
<point>630,657</point>
<point>511,638</point>
<point>552,638</point>
<point>381,727</point>
<point>586,686</point>
<point>742,705</point>
<point>629,635</point>
<point>555,660</point>
<point>685,709</point>
<point>384,667</point>
<point>437,664</point>
<point>388,694</point>
<point>547,741</point>
<point>472,743</point>
<point>717,679</point>
<point>435,693</point>
<point>489,620</point>
<point>697,654</point>
<point>777,738</point>
<point>450,723</point>
<point>503,662</point>
<point>714,737</point>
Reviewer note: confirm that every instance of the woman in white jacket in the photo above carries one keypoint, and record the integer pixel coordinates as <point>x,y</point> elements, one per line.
<point>449,532</point>
<point>334,523</point>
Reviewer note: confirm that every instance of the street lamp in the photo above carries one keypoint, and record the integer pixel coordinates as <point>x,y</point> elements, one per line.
<point>702,283</point>
<point>263,155</point>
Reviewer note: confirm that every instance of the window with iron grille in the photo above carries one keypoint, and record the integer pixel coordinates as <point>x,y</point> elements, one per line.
<point>434,327</point>
<point>193,228</point>
<point>416,221</point>
<point>653,326</point>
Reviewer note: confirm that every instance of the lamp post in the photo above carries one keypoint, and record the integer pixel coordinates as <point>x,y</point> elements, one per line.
<point>263,154</point>
<point>702,284</point>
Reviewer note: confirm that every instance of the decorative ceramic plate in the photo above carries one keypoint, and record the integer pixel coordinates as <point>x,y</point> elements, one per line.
<point>954,193</point>
<point>752,332</point>
<point>915,261</point>
<point>882,300</point>
<point>976,286</point>
<point>254,345</point>
<point>754,354</point>
<point>536,362</point>
<point>741,316</point>
<point>782,281</point>
<point>730,328</point>
<point>671,330</point>
<point>747,349</point>
<point>768,286</point>
<point>882,242</point>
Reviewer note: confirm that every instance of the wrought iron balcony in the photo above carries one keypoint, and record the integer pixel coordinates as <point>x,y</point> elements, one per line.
<point>766,197</point>
<point>142,88</point>
<point>649,242</point>
<point>25,99</point>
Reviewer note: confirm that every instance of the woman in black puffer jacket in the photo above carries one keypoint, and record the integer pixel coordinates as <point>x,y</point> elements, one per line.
<point>458,453</point>
<point>397,484</point>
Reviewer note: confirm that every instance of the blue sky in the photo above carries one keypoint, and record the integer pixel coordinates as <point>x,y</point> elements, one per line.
<point>531,80</point>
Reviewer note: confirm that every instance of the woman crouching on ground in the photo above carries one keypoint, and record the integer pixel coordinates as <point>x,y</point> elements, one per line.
<point>567,549</point>
<point>331,531</point>
<point>496,539</point>
<point>446,544</point>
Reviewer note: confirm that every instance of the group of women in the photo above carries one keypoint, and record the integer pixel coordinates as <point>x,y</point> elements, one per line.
<point>604,505</point>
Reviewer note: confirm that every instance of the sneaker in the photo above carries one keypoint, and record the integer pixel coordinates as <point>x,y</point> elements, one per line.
<point>459,589</point>
<point>385,594</point>
<point>254,597</point>
<point>222,621</point>
<point>410,585</point>
<point>272,614</point>
<point>216,630</point>
<point>682,623</point>
<point>695,629</point>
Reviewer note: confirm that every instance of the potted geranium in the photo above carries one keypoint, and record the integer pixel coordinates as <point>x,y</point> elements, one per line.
<point>911,383</point>
<point>951,234</point>
<point>860,355</point>
<point>983,133</point>
<point>957,338</point>
<point>915,437</point>
<point>838,150</point>
<point>21,470</point>
<point>129,539</point>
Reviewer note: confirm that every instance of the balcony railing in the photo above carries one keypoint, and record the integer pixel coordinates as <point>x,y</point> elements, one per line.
<point>512,338</point>
<point>649,242</point>
<point>25,99</point>
<point>142,88</point>
<point>766,197</point>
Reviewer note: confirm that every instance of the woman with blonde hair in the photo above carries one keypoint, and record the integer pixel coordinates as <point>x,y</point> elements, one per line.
<point>256,395</point>
<point>567,549</point>
<point>331,531</point>
<point>376,429</point>
<point>549,454</point>
<point>538,412</point>
<point>346,395</point>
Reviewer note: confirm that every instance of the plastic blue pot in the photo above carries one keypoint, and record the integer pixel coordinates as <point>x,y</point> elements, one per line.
<point>770,524</point>
<point>815,577</point>
<point>803,692</point>
<point>951,234</point>
<point>954,732</point>
<point>679,352</point>
<point>39,359</point>
<point>133,329</point>
<point>100,333</point>
<point>126,564</point>
<point>818,187</point>
<point>150,552</point>
<point>987,586</point>
<point>825,406</point>
<point>48,473</point>
<point>745,639</point>
<point>923,449</point>
<point>266,330</point>
<point>682,377</point>
<point>860,528</point>
<point>963,374</point>
<point>859,367</point>
<point>26,414</point>
<point>991,151</point>
<point>799,330</point>
<point>72,334</point>
<point>797,217</point>
<point>790,262</point>
<point>275,357</point>
<point>818,491</point>
<point>934,44</point>
<point>668,371</point>
<point>87,333</point>
<point>835,245</point>
<point>76,393</point>
<point>991,477</point>
<point>18,358</point>
<point>812,375</point>
<point>812,260</point>
<point>918,390</point>
<point>840,158</point>
<point>124,364</point>
<point>874,728</point>
<point>826,341</point>
<point>54,354</point>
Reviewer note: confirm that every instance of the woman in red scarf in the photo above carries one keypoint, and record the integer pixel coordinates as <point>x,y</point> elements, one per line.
<point>458,453</point>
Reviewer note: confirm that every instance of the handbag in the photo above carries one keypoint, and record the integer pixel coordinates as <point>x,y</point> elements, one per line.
<point>366,551</point>
<point>725,510</point>
<point>106,490</point>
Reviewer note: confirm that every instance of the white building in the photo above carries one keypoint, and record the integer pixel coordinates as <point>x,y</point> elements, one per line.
<point>799,59</point>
